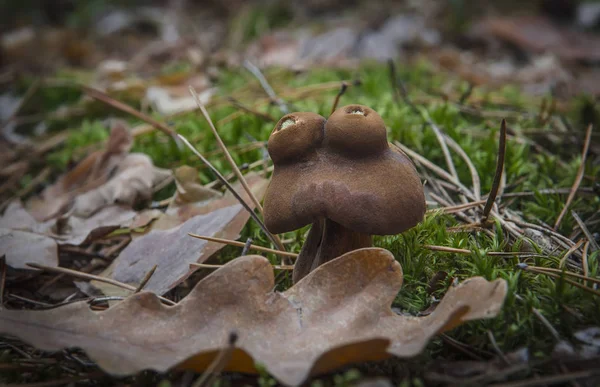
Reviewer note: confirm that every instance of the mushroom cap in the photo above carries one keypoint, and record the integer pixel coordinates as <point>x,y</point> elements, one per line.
<point>348,173</point>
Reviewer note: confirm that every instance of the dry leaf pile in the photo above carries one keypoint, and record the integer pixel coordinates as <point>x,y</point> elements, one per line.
<point>338,314</point>
<point>91,200</point>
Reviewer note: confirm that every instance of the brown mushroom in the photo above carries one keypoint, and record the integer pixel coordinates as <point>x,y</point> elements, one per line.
<point>342,176</point>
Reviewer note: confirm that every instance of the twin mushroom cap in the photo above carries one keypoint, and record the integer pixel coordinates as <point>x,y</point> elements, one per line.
<point>342,176</point>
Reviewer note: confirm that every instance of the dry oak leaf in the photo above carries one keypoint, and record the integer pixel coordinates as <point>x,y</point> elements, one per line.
<point>338,314</point>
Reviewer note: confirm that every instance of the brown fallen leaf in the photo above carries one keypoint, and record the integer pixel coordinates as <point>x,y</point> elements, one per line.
<point>73,230</point>
<point>169,246</point>
<point>189,188</point>
<point>181,210</point>
<point>21,247</point>
<point>132,182</point>
<point>90,173</point>
<point>338,314</point>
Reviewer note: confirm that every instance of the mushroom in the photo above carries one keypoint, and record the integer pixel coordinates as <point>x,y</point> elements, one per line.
<point>342,176</point>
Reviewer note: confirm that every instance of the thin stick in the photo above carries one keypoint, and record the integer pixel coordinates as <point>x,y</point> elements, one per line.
<point>586,231</point>
<point>90,277</point>
<point>217,365</point>
<point>457,208</point>
<point>442,141</point>
<point>498,174</point>
<point>2,279</point>
<point>584,260</point>
<point>496,347</point>
<point>232,190</point>
<point>447,249</point>
<point>435,169</point>
<point>255,164</point>
<point>239,105</point>
<point>570,251</point>
<point>546,323</point>
<point>566,242</point>
<point>246,246</point>
<point>549,380</point>
<point>241,244</point>
<point>33,88</point>
<point>265,85</point>
<point>515,254</point>
<point>226,153</point>
<point>548,191</point>
<point>102,97</point>
<point>560,271</point>
<point>578,177</point>
<point>554,275</point>
<point>209,266</point>
<point>236,170</point>
<point>145,279</point>
<point>472,169</point>
<point>337,97</point>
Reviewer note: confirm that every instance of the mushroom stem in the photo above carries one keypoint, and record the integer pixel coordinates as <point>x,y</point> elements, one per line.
<point>327,240</point>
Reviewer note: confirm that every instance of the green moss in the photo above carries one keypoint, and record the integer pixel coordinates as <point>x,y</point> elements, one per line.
<point>567,308</point>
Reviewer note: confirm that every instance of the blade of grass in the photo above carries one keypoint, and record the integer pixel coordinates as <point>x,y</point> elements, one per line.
<point>586,231</point>
<point>260,115</point>
<point>472,169</point>
<point>447,249</point>
<point>498,174</point>
<point>578,176</point>
<point>572,249</point>
<point>565,272</point>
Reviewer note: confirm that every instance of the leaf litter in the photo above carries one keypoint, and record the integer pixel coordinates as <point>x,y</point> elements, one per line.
<point>90,201</point>
<point>169,246</point>
<point>338,314</point>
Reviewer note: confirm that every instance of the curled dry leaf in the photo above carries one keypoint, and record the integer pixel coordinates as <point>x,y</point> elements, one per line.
<point>189,188</point>
<point>72,230</point>
<point>90,173</point>
<point>338,314</point>
<point>133,181</point>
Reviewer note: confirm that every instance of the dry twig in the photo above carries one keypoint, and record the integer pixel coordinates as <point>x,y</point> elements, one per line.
<point>231,189</point>
<point>498,175</point>
<point>234,166</point>
<point>90,277</point>
<point>241,244</point>
<point>578,177</point>
<point>338,96</point>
